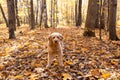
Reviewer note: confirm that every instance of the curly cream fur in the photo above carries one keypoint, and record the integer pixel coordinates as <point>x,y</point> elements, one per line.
<point>55,48</point>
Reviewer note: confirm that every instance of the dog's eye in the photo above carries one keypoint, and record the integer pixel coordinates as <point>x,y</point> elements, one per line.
<point>57,37</point>
<point>53,37</point>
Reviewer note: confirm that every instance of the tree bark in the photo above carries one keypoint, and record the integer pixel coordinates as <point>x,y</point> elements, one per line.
<point>32,18</point>
<point>78,12</point>
<point>44,11</point>
<point>51,21</point>
<point>45,17</point>
<point>56,13</point>
<point>11,18</point>
<point>41,12</point>
<point>102,17</point>
<point>98,14</point>
<point>17,16</point>
<point>28,13</point>
<point>91,19</point>
<point>76,2</point>
<point>112,19</point>
<point>3,14</point>
<point>36,21</point>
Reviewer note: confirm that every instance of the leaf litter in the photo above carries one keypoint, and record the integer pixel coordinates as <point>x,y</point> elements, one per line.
<point>84,58</point>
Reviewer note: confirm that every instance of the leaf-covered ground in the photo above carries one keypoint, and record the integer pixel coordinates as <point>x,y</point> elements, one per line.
<point>84,58</point>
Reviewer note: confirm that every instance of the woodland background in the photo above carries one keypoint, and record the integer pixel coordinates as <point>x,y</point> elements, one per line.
<point>65,11</point>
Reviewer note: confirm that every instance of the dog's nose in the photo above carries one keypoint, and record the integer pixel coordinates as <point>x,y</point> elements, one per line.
<point>55,41</point>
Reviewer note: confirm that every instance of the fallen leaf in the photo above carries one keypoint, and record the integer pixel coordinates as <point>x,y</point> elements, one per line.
<point>106,75</point>
<point>2,66</point>
<point>18,76</point>
<point>34,76</point>
<point>39,70</point>
<point>67,76</point>
<point>68,62</point>
<point>95,72</point>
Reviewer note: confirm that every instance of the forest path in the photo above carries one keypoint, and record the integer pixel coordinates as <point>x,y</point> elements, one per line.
<point>26,57</point>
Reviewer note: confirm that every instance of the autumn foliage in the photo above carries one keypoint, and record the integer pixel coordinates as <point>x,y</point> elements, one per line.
<point>84,58</point>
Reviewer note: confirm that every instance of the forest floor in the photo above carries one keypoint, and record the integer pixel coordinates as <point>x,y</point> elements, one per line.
<point>25,58</point>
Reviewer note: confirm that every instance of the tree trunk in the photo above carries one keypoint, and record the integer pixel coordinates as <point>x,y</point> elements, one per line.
<point>91,19</point>
<point>53,13</point>
<point>105,5</point>
<point>44,11</point>
<point>112,19</point>
<point>32,18</point>
<point>17,16</point>
<point>76,2</point>
<point>41,12</point>
<point>100,21</point>
<point>98,15</point>
<point>3,15</point>
<point>51,21</point>
<point>45,17</point>
<point>67,11</point>
<point>78,12</point>
<point>102,17</point>
<point>56,13</point>
<point>11,18</point>
<point>28,13</point>
<point>36,21</point>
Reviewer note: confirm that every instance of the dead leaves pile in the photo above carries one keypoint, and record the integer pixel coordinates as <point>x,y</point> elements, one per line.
<point>84,58</point>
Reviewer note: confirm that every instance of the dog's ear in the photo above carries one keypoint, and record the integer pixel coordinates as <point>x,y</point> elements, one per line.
<point>61,37</point>
<point>49,38</point>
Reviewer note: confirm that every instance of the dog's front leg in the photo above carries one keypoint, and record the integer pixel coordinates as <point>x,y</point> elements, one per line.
<point>60,59</point>
<point>50,57</point>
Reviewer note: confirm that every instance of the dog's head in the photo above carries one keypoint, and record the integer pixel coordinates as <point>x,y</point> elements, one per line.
<point>55,37</point>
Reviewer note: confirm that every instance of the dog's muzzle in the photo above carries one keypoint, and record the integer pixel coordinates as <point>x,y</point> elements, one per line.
<point>56,41</point>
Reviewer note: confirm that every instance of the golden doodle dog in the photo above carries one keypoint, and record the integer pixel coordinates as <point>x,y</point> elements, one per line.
<point>55,48</point>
